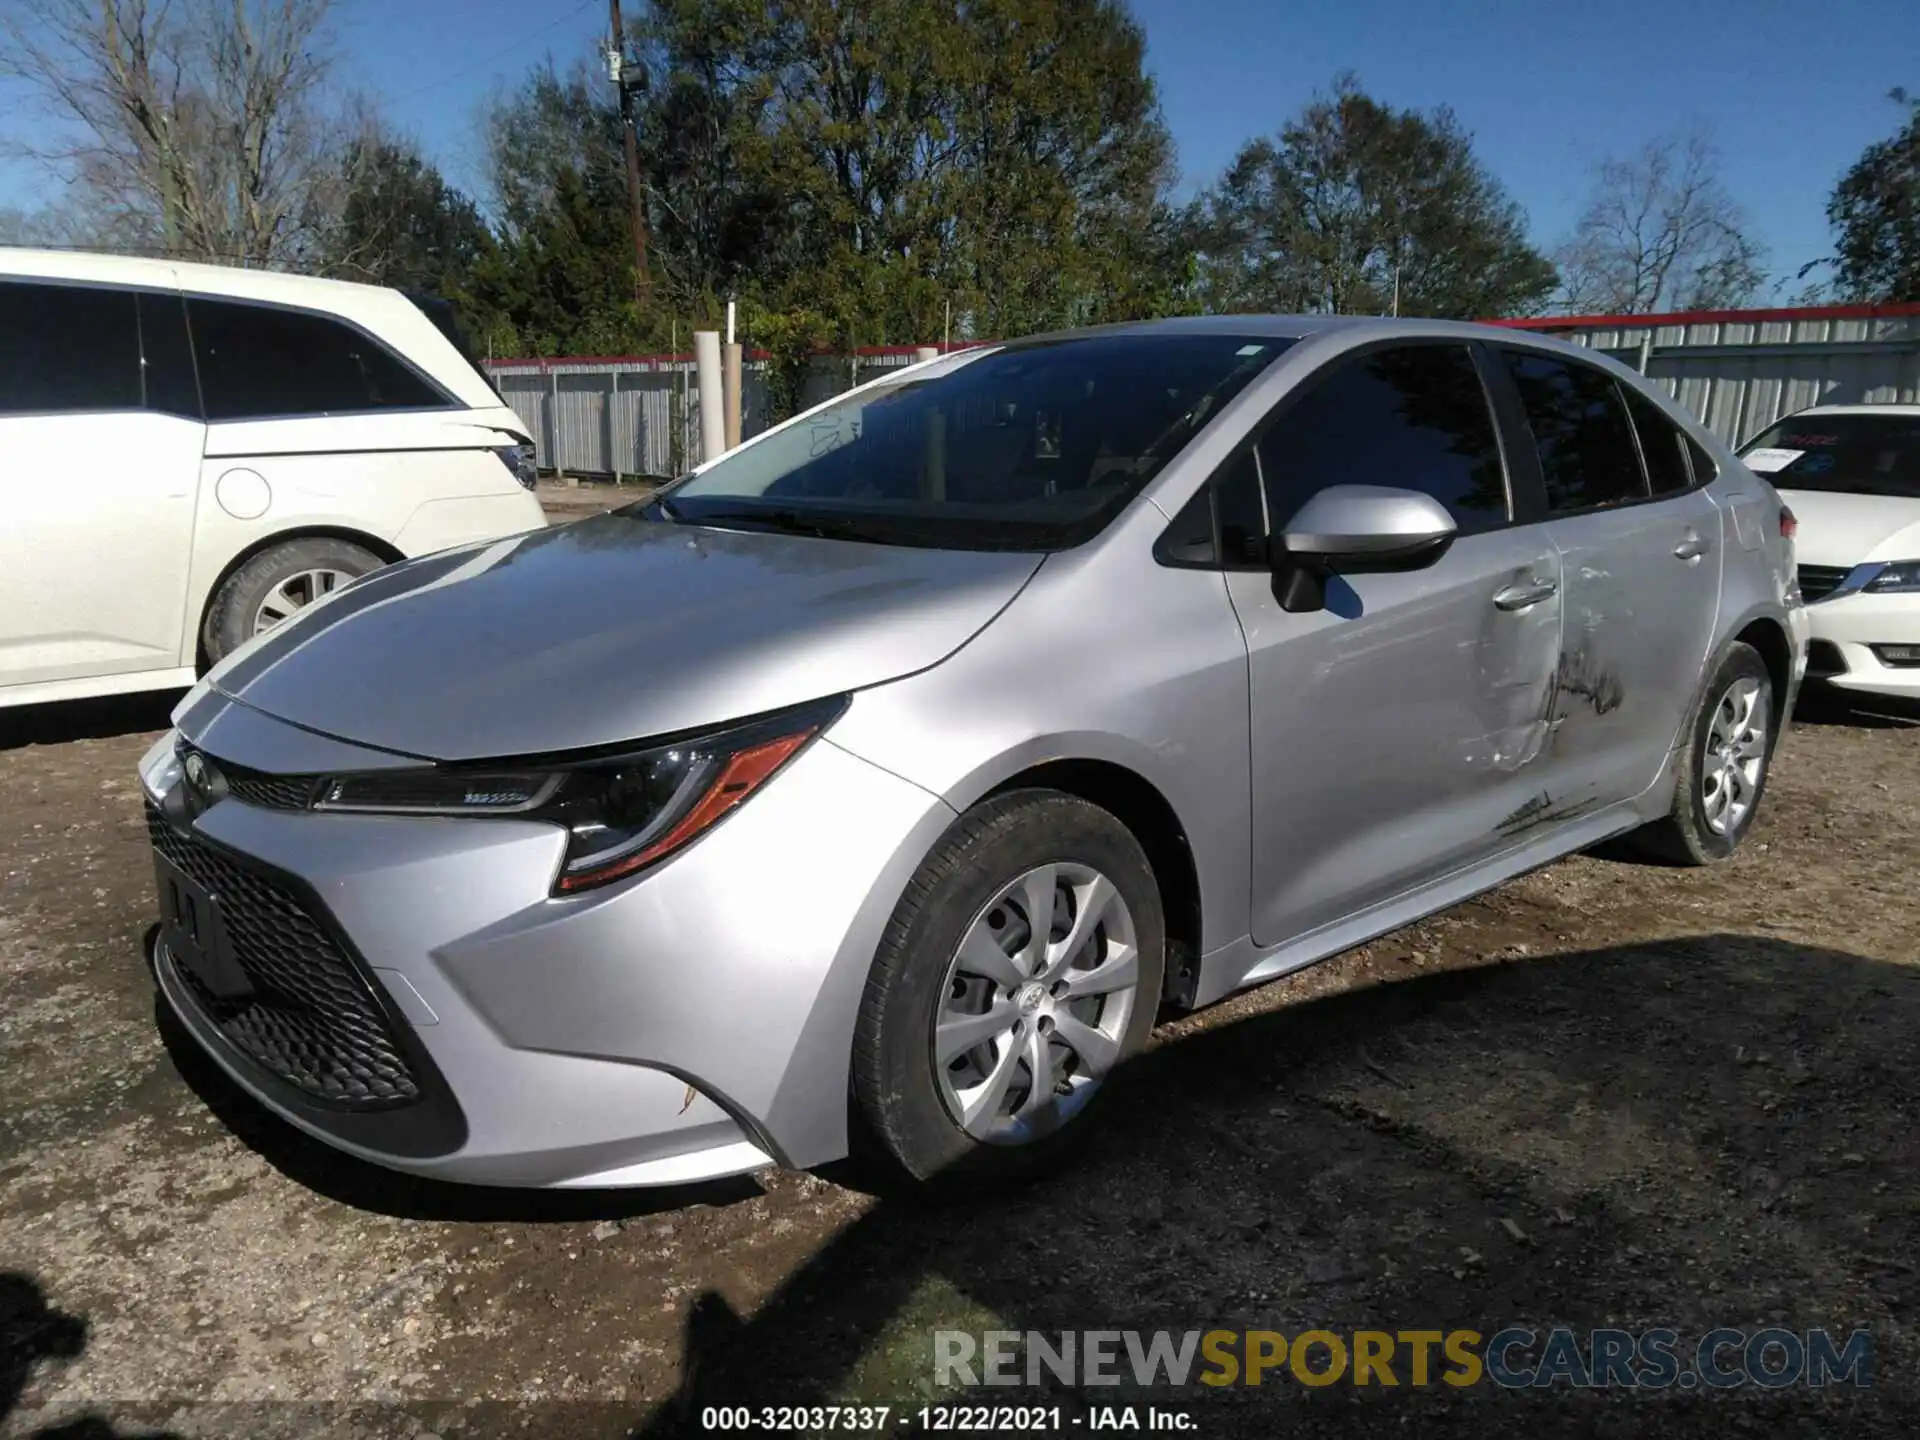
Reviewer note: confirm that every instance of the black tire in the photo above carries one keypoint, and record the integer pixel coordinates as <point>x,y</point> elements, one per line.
<point>903,1127</point>
<point>1684,836</point>
<point>230,616</point>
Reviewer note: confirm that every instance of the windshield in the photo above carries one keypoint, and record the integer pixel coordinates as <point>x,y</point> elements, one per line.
<point>1855,454</point>
<point>1032,447</point>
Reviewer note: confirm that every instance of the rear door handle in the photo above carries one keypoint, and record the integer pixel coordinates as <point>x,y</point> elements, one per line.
<point>1520,596</point>
<point>1691,548</point>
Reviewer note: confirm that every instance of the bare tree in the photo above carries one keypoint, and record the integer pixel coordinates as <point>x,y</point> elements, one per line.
<point>1660,233</point>
<point>194,128</point>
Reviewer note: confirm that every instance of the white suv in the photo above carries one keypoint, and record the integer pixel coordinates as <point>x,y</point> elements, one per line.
<point>191,453</point>
<point>1851,474</point>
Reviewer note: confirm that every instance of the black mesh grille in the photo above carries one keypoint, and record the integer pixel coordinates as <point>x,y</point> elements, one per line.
<point>312,1020</point>
<point>257,788</point>
<point>1817,581</point>
<point>268,792</point>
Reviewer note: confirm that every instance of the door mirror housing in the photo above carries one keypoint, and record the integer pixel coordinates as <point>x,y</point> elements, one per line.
<point>1355,530</point>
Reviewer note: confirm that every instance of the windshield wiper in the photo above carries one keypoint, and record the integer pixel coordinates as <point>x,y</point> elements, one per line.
<point>801,522</point>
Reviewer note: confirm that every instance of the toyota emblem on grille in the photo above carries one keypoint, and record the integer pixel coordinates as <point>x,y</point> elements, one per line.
<point>205,784</point>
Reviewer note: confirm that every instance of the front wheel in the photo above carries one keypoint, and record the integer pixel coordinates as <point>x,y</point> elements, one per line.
<point>1723,772</point>
<point>1021,967</point>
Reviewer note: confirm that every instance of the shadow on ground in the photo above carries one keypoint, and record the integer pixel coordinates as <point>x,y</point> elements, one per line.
<point>98,719</point>
<point>1694,1133</point>
<point>33,1332</point>
<point>1826,705</point>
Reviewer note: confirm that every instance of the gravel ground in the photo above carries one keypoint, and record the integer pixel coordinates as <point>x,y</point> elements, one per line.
<point>1606,1094</point>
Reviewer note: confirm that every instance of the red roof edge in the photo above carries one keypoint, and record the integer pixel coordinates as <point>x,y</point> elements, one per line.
<point>1888,310</point>
<point>684,358</point>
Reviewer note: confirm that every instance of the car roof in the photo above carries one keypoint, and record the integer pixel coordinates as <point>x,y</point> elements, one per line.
<point>1299,327</point>
<point>1909,411</point>
<point>387,313</point>
<point>271,285</point>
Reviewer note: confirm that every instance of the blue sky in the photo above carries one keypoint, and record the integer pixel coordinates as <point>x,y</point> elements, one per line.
<point>1791,93</point>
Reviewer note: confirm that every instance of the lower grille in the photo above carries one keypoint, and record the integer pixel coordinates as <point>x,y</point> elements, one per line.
<point>312,1020</point>
<point>1819,581</point>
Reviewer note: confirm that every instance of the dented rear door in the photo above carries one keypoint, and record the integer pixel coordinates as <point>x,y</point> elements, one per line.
<point>1642,587</point>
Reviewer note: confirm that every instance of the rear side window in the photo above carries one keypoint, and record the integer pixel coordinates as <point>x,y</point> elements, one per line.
<point>1705,467</point>
<point>1581,430</point>
<point>1662,445</point>
<point>1415,418</point>
<point>257,361</point>
<point>166,355</point>
<point>67,348</point>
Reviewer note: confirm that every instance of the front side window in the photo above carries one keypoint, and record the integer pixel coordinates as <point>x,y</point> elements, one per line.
<point>1854,454</point>
<point>67,348</point>
<point>1413,418</point>
<point>257,362</point>
<point>1580,429</point>
<point>1032,446</point>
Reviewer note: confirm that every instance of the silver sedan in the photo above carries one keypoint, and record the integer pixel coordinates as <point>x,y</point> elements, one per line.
<point>888,776</point>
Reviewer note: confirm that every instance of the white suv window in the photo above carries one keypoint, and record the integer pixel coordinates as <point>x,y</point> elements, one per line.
<point>259,361</point>
<point>67,348</point>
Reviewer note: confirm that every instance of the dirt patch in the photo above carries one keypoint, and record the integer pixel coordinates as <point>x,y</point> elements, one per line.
<point>564,502</point>
<point>1606,1094</point>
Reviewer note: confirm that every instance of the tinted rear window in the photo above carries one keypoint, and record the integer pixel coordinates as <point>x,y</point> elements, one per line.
<point>447,321</point>
<point>1581,430</point>
<point>258,362</point>
<point>1860,454</point>
<point>1663,445</point>
<point>66,348</point>
<point>167,355</point>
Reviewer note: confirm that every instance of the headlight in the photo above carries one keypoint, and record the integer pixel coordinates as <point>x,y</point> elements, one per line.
<point>622,811</point>
<point>1898,577</point>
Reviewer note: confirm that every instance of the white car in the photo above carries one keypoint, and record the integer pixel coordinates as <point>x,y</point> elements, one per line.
<point>1851,474</point>
<point>190,453</point>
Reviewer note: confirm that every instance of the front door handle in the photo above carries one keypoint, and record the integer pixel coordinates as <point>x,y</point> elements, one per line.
<point>1691,548</point>
<point>1529,592</point>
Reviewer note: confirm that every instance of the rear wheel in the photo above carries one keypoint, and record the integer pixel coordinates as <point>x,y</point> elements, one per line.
<point>278,583</point>
<point>1022,966</point>
<point>1723,773</point>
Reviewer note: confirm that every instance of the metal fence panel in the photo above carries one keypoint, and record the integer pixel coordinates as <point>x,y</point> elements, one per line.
<point>1738,372</point>
<point>1739,375</point>
<point>620,416</point>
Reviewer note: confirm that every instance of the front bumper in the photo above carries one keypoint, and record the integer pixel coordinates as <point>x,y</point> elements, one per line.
<point>692,1023</point>
<point>1846,629</point>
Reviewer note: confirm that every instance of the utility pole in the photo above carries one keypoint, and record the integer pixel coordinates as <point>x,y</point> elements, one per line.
<point>629,79</point>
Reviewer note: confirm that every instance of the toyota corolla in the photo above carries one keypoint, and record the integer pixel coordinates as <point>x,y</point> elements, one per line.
<point>879,782</point>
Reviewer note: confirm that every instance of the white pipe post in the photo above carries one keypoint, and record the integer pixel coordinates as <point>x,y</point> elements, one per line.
<point>713,405</point>
<point>926,352</point>
<point>730,378</point>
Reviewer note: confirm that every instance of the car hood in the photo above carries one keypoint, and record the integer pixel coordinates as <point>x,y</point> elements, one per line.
<point>1847,530</point>
<point>610,630</point>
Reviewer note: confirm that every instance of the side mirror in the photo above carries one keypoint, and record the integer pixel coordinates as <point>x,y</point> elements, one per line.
<point>1354,530</point>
